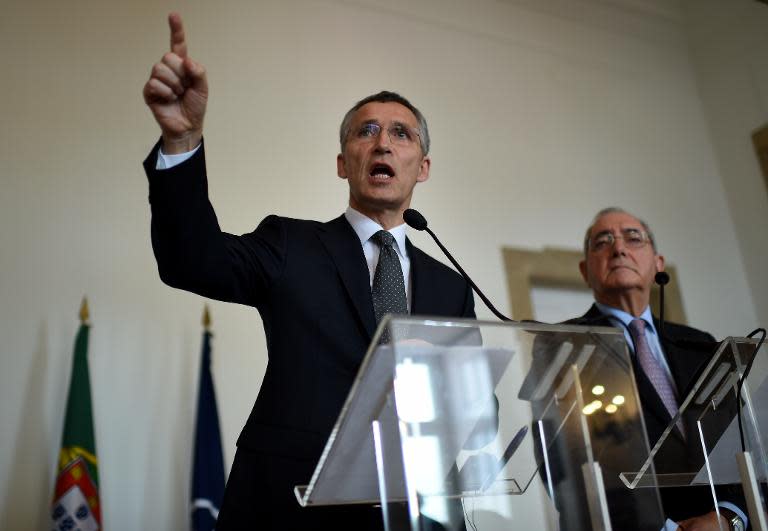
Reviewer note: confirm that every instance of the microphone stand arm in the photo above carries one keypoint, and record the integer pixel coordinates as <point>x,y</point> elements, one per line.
<point>661,310</point>
<point>466,277</point>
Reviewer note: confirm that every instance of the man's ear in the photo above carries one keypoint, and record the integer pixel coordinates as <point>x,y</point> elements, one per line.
<point>583,269</point>
<point>341,168</point>
<point>659,262</point>
<point>423,175</point>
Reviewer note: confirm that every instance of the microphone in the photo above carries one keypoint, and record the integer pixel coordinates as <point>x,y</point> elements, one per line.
<point>415,220</point>
<point>662,279</point>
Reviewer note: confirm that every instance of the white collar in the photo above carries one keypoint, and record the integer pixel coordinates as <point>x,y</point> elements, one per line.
<point>365,227</point>
<point>625,317</point>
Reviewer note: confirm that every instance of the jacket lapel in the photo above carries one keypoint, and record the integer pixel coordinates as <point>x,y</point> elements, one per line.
<point>684,364</point>
<point>345,251</point>
<point>421,281</point>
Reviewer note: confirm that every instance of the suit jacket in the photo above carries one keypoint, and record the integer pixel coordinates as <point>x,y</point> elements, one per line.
<point>310,283</point>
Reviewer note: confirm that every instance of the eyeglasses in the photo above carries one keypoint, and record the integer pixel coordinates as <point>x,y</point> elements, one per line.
<point>399,134</point>
<point>633,238</point>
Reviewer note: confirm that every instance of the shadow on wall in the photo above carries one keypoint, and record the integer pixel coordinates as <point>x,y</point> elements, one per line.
<point>171,417</point>
<point>29,483</point>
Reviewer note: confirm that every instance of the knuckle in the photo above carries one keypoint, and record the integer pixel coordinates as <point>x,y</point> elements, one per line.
<point>169,57</point>
<point>157,88</point>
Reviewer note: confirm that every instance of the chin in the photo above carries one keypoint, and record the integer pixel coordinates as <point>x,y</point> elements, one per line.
<point>621,287</point>
<point>383,199</point>
<point>622,276</point>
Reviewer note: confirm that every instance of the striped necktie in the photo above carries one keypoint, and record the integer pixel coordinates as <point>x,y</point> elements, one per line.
<point>653,370</point>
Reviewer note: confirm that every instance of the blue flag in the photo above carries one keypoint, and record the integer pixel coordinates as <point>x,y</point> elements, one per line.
<point>208,472</point>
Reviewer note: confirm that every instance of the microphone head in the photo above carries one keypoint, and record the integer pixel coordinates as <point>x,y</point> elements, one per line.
<point>661,278</point>
<point>414,219</point>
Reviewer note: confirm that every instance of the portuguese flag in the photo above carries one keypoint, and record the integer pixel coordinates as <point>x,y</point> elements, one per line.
<point>76,496</point>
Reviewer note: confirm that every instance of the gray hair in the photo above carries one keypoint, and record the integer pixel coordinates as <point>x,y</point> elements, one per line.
<point>617,210</point>
<point>386,96</point>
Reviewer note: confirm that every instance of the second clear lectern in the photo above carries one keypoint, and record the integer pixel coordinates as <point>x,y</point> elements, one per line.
<point>723,456</point>
<point>459,424</point>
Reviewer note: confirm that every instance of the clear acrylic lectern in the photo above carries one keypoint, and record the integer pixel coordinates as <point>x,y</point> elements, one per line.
<point>461,424</point>
<point>714,452</point>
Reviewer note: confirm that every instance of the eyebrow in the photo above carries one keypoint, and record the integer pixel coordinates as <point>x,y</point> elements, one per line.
<point>611,232</point>
<point>395,123</point>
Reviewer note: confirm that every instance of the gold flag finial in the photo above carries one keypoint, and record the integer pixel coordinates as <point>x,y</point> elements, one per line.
<point>84,311</point>
<point>206,318</point>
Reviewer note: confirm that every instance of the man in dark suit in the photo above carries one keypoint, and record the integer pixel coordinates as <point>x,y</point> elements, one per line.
<point>620,263</point>
<point>317,286</point>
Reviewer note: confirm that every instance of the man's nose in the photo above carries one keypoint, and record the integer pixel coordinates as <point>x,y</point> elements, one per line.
<point>383,142</point>
<point>619,247</point>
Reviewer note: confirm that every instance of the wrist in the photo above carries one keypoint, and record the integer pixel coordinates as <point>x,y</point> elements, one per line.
<point>175,145</point>
<point>734,521</point>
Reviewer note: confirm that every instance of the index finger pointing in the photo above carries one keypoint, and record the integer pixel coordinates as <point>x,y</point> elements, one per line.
<point>178,41</point>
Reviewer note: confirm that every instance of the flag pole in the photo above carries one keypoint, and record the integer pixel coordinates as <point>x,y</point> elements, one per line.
<point>84,311</point>
<point>206,319</point>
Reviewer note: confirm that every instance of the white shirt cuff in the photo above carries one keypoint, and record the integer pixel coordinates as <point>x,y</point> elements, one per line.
<point>166,162</point>
<point>735,509</point>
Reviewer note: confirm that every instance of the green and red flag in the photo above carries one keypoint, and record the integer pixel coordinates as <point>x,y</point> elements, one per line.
<point>76,502</point>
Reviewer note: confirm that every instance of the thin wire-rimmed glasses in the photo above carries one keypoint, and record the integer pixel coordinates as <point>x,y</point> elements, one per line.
<point>633,238</point>
<point>399,134</point>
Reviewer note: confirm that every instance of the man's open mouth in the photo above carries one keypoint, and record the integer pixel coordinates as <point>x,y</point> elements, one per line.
<point>381,171</point>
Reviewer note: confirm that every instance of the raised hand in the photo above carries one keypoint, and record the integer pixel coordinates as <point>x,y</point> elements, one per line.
<point>177,93</point>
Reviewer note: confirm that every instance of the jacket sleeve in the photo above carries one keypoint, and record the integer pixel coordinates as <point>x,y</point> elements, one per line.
<point>192,251</point>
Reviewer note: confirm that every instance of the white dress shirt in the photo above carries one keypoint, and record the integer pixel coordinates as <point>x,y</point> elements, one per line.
<point>365,228</point>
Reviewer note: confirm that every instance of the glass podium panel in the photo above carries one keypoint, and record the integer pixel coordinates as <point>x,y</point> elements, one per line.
<point>518,425</point>
<point>709,416</point>
<point>463,424</point>
<point>710,454</point>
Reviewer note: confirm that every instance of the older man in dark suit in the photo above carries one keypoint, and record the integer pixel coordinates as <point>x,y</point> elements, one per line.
<point>620,263</point>
<point>320,288</point>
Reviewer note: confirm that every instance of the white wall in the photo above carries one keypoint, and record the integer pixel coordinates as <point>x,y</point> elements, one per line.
<point>540,112</point>
<point>729,44</point>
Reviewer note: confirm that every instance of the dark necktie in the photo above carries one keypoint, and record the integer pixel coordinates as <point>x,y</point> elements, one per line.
<point>388,285</point>
<point>653,369</point>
